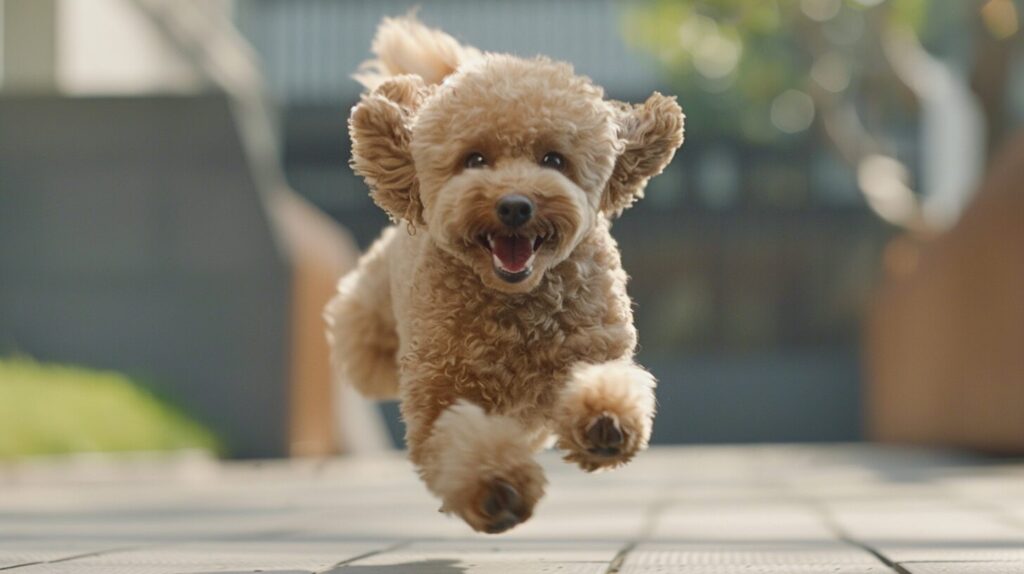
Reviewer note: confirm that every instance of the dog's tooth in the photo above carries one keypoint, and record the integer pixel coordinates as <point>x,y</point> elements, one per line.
<point>490,240</point>
<point>497,261</point>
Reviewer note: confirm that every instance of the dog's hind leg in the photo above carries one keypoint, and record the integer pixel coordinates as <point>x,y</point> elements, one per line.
<point>481,465</point>
<point>604,414</point>
<point>361,326</point>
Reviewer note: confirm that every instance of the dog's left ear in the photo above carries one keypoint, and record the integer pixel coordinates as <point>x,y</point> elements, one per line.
<point>380,128</point>
<point>650,133</point>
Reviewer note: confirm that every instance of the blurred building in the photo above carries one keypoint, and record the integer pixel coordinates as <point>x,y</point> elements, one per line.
<point>145,226</point>
<point>751,263</point>
<point>754,259</point>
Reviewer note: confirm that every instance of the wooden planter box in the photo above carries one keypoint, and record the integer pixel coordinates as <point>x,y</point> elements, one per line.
<point>945,337</point>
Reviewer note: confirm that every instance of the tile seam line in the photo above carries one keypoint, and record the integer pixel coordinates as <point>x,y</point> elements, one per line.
<point>26,564</point>
<point>283,533</point>
<point>348,561</point>
<point>964,561</point>
<point>841,534</point>
<point>77,557</point>
<point>654,510</point>
<point>896,567</point>
<point>620,558</point>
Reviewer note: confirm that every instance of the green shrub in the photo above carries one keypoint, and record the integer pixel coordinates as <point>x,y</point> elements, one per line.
<point>51,409</point>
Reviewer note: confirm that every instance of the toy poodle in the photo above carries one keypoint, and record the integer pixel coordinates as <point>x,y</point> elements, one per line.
<point>495,308</point>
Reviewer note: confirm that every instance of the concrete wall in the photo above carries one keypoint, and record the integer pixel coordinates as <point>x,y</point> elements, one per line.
<point>132,237</point>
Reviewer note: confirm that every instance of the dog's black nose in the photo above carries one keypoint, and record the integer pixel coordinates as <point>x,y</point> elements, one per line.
<point>515,210</point>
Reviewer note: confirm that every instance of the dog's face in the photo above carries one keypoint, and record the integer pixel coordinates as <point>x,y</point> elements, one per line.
<point>509,163</point>
<point>512,157</point>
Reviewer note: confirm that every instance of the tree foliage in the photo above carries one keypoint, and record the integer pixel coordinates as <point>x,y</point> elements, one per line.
<point>734,59</point>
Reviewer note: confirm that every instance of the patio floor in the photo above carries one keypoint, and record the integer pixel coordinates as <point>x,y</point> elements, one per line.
<point>766,509</point>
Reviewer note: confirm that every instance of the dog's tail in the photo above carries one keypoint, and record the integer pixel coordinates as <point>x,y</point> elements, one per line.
<point>405,45</point>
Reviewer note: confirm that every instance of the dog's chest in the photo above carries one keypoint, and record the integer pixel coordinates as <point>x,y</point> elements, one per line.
<point>513,353</point>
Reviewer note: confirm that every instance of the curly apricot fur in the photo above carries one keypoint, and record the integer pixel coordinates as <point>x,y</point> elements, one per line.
<point>487,370</point>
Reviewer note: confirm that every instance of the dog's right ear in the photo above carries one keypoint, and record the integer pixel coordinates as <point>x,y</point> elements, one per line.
<point>380,128</point>
<point>650,133</point>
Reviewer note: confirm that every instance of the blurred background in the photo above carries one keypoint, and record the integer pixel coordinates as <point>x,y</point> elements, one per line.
<point>836,253</point>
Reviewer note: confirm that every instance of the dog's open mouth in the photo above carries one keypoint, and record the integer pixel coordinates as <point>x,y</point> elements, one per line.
<point>512,254</point>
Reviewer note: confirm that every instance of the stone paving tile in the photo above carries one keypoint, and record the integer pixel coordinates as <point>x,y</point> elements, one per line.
<point>951,551</point>
<point>596,521</point>
<point>749,521</point>
<point>941,522</point>
<point>267,556</point>
<point>1013,511</point>
<point>964,567</point>
<point>826,556</point>
<point>18,551</point>
<point>384,523</point>
<point>934,535</point>
<point>711,510</point>
<point>998,484</point>
<point>493,555</point>
<point>74,568</point>
<point>198,527</point>
<point>757,569</point>
<point>596,524</point>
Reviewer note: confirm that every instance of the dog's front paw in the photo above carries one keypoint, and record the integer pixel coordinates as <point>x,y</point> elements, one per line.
<point>605,415</point>
<point>483,469</point>
<point>497,504</point>
<point>502,507</point>
<point>604,437</point>
<point>601,442</point>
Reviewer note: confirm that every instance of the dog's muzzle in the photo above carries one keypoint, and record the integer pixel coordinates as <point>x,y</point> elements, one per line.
<point>513,250</point>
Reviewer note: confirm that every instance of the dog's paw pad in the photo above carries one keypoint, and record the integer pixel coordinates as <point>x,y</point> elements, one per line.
<point>605,436</point>
<point>503,507</point>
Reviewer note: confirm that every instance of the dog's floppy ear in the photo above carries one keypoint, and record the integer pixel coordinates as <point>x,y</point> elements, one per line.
<point>649,134</point>
<point>380,128</point>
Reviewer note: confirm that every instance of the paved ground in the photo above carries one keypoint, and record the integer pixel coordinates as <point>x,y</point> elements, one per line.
<point>772,509</point>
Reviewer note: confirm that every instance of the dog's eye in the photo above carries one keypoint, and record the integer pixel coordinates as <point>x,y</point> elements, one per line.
<point>475,160</point>
<point>554,160</point>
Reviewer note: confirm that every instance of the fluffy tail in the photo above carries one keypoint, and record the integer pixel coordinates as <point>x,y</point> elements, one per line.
<point>405,45</point>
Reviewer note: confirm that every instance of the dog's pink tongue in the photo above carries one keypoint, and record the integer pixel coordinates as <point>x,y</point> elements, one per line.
<point>513,251</point>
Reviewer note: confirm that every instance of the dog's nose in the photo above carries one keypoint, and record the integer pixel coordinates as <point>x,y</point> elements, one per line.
<point>514,209</point>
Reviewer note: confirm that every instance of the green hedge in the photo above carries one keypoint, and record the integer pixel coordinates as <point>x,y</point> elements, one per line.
<point>52,409</point>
